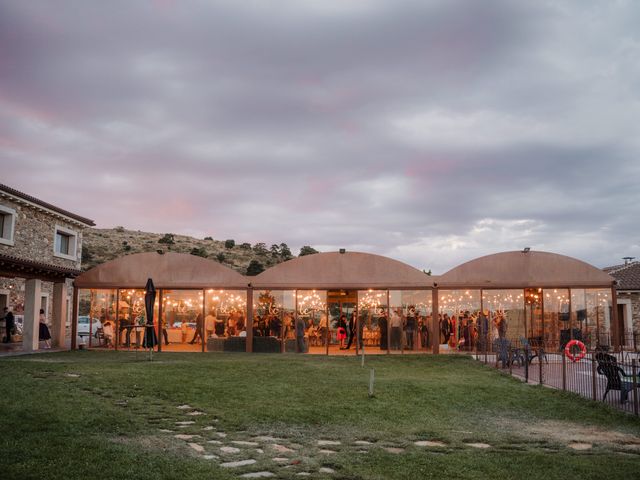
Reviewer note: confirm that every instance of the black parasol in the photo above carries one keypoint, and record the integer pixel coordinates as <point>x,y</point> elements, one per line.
<point>150,339</point>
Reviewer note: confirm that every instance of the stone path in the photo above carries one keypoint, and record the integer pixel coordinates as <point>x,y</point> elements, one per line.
<point>263,456</point>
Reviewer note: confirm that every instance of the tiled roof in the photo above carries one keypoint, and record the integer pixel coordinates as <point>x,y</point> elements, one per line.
<point>16,193</point>
<point>628,276</point>
<point>10,265</point>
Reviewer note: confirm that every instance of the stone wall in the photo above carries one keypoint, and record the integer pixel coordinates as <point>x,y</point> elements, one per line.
<point>34,236</point>
<point>635,307</point>
<point>14,288</point>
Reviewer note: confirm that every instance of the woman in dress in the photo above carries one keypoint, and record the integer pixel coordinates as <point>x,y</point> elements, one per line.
<point>44,334</point>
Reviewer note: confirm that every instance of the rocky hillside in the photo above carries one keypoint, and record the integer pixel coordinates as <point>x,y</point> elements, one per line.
<point>101,245</point>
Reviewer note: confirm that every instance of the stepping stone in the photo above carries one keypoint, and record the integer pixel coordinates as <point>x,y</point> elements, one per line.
<point>215,442</point>
<point>258,475</point>
<point>184,407</point>
<point>362,442</point>
<point>281,448</point>
<point>243,442</point>
<point>164,430</point>
<point>303,474</point>
<point>394,449</point>
<point>327,452</point>
<point>326,470</point>
<point>280,459</point>
<point>580,446</point>
<point>183,426</point>
<point>185,437</point>
<point>196,447</point>
<point>186,422</point>
<point>208,429</point>
<point>229,450</point>
<point>239,463</point>
<point>267,439</point>
<point>478,445</point>
<point>195,413</point>
<point>221,434</point>
<point>429,443</point>
<point>72,375</point>
<point>259,450</point>
<point>329,442</point>
<point>210,457</point>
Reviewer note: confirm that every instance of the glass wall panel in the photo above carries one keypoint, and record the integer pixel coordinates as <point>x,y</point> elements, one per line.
<point>503,316</point>
<point>131,318</point>
<point>182,319</point>
<point>533,316</point>
<point>459,311</point>
<point>341,308</point>
<point>591,315</point>
<point>373,328</point>
<point>274,313</point>
<point>312,317</point>
<point>413,309</point>
<point>96,318</point>
<point>556,318</point>
<point>225,321</point>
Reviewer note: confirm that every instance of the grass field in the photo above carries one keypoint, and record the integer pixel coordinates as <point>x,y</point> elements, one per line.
<point>83,415</point>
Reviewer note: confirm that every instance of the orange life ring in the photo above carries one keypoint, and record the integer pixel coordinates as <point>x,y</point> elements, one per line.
<point>570,355</point>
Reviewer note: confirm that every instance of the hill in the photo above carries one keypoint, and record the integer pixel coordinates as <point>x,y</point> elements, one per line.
<point>103,244</point>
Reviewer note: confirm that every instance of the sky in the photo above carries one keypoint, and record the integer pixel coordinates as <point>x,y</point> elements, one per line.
<point>431,131</point>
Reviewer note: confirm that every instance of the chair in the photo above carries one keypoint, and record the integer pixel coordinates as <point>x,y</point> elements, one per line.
<point>608,366</point>
<point>532,353</point>
<point>502,346</point>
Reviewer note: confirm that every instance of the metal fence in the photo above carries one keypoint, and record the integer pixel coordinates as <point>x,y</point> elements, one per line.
<point>600,375</point>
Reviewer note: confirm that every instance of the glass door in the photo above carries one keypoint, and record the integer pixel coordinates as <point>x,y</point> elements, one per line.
<point>342,335</point>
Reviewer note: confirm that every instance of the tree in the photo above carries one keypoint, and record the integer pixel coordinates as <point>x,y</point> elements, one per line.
<point>285,251</point>
<point>220,257</point>
<point>208,238</point>
<point>260,248</point>
<point>275,250</point>
<point>245,246</point>
<point>199,252</point>
<point>254,268</point>
<point>229,243</point>
<point>307,250</point>
<point>167,239</point>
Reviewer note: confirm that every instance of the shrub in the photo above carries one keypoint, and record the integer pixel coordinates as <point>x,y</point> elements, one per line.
<point>254,268</point>
<point>229,243</point>
<point>167,239</point>
<point>199,252</point>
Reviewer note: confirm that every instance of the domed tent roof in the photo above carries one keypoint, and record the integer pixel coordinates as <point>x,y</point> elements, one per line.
<point>522,270</point>
<point>350,270</point>
<point>168,270</point>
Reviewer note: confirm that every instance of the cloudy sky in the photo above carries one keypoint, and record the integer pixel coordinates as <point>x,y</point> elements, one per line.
<point>429,131</point>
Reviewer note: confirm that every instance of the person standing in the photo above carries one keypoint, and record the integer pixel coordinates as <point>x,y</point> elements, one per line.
<point>300,329</point>
<point>44,335</point>
<point>210,323</point>
<point>342,330</point>
<point>198,332</point>
<point>396,330</point>
<point>411,327</point>
<point>352,330</point>
<point>10,323</point>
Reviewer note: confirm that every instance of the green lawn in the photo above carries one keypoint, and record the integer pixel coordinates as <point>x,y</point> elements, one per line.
<point>102,415</point>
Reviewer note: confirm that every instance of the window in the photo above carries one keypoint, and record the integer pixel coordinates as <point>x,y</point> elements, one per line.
<point>65,243</point>
<point>7,225</point>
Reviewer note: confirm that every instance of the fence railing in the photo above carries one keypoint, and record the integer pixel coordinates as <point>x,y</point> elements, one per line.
<point>612,378</point>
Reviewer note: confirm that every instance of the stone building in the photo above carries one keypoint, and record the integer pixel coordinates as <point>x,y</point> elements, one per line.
<point>628,288</point>
<point>40,253</point>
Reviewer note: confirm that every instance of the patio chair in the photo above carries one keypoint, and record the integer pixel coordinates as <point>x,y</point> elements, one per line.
<point>532,353</point>
<point>502,347</point>
<point>608,366</point>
